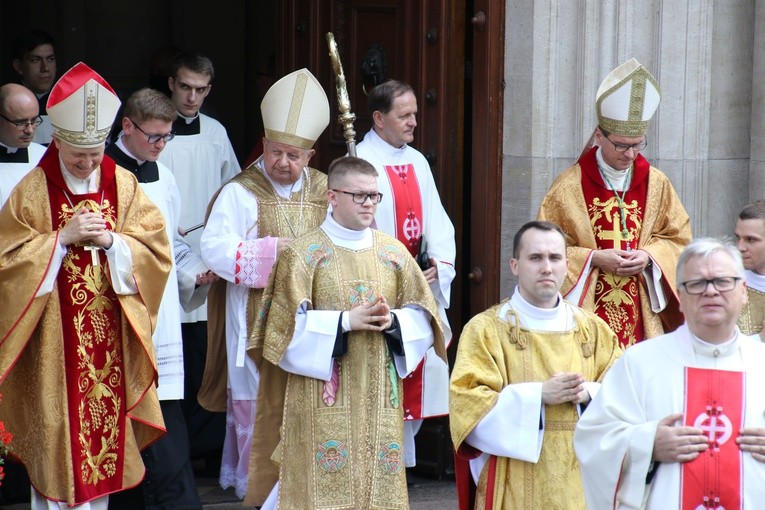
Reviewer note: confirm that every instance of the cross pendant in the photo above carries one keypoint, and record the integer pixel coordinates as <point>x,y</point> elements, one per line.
<point>94,254</point>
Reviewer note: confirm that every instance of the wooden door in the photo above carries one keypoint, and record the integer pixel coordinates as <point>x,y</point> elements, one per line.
<point>421,43</point>
<point>485,95</point>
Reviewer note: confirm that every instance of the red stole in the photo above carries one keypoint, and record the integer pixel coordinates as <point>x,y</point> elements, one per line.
<point>91,326</point>
<point>617,299</point>
<point>713,403</point>
<point>407,206</point>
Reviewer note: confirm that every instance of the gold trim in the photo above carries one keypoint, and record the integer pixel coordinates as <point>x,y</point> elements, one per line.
<point>289,139</point>
<point>297,103</point>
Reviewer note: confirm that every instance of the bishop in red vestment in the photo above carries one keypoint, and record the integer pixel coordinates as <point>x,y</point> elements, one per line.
<point>84,258</point>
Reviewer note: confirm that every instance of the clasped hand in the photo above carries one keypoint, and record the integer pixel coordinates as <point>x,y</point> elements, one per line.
<point>372,316</point>
<point>621,262</point>
<point>564,387</point>
<point>85,227</point>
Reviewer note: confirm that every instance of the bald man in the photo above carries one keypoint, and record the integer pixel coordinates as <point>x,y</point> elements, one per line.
<point>19,119</point>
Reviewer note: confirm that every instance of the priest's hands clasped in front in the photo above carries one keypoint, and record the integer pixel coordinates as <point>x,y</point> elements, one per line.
<point>374,316</point>
<point>564,387</point>
<point>621,262</point>
<point>85,226</point>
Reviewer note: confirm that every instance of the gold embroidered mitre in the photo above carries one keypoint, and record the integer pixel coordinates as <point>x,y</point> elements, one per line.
<point>627,99</point>
<point>295,110</point>
<point>82,107</point>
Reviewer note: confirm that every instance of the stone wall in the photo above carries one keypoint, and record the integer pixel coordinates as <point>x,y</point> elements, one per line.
<point>701,53</point>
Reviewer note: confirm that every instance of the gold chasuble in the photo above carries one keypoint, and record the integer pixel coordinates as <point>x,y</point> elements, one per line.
<point>648,216</point>
<point>277,217</point>
<point>341,440</point>
<point>494,353</point>
<point>750,320</point>
<point>77,367</point>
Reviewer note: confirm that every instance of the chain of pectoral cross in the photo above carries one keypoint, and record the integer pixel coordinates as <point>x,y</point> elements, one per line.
<point>620,202</point>
<point>280,205</point>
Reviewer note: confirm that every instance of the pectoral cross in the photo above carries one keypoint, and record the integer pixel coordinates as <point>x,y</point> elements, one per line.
<point>93,254</point>
<point>616,235</point>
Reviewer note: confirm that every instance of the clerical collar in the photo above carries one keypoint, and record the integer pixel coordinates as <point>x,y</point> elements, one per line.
<point>13,154</point>
<point>755,280</point>
<point>557,318</point>
<point>345,237</point>
<point>144,171</point>
<point>8,149</point>
<point>75,184</point>
<point>188,120</point>
<point>185,126</point>
<point>121,144</point>
<point>383,145</point>
<point>710,350</point>
<point>617,178</point>
<point>283,190</point>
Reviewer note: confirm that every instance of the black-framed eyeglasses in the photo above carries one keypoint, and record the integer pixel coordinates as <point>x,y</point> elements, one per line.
<point>624,147</point>
<point>721,283</point>
<point>23,123</point>
<point>361,198</point>
<point>154,138</point>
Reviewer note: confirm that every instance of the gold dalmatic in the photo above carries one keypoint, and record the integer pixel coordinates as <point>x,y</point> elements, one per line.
<point>750,320</point>
<point>91,325</point>
<point>341,441</point>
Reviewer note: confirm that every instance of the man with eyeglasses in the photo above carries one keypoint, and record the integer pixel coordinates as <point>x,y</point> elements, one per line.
<point>202,160</point>
<point>414,215</point>
<point>678,422</point>
<point>18,121</point>
<point>146,129</point>
<point>346,314</point>
<point>251,220</point>
<point>34,58</point>
<point>624,223</point>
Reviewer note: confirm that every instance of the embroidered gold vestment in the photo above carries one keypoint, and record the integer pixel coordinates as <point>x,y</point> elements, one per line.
<point>662,229</point>
<point>341,441</point>
<point>277,217</point>
<point>750,320</point>
<point>494,353</point>
<point>77,367</point>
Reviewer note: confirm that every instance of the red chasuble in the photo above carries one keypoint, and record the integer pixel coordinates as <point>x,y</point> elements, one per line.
<point>617,300</point>
<point>92,341</point>
<point>407,204</point>
<point>714,404</point>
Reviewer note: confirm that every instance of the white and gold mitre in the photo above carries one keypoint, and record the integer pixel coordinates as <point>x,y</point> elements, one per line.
<point>295,110</point>
<point>627,99</point>
<point>82,107</point>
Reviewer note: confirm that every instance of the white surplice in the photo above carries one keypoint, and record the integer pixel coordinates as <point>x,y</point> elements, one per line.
<point>438,233</point>
<point>201,164</point>
<point>12,173</point>
<point>615,436</point>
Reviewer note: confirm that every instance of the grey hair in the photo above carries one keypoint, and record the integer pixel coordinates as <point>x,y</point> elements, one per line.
<point>703,248</point>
